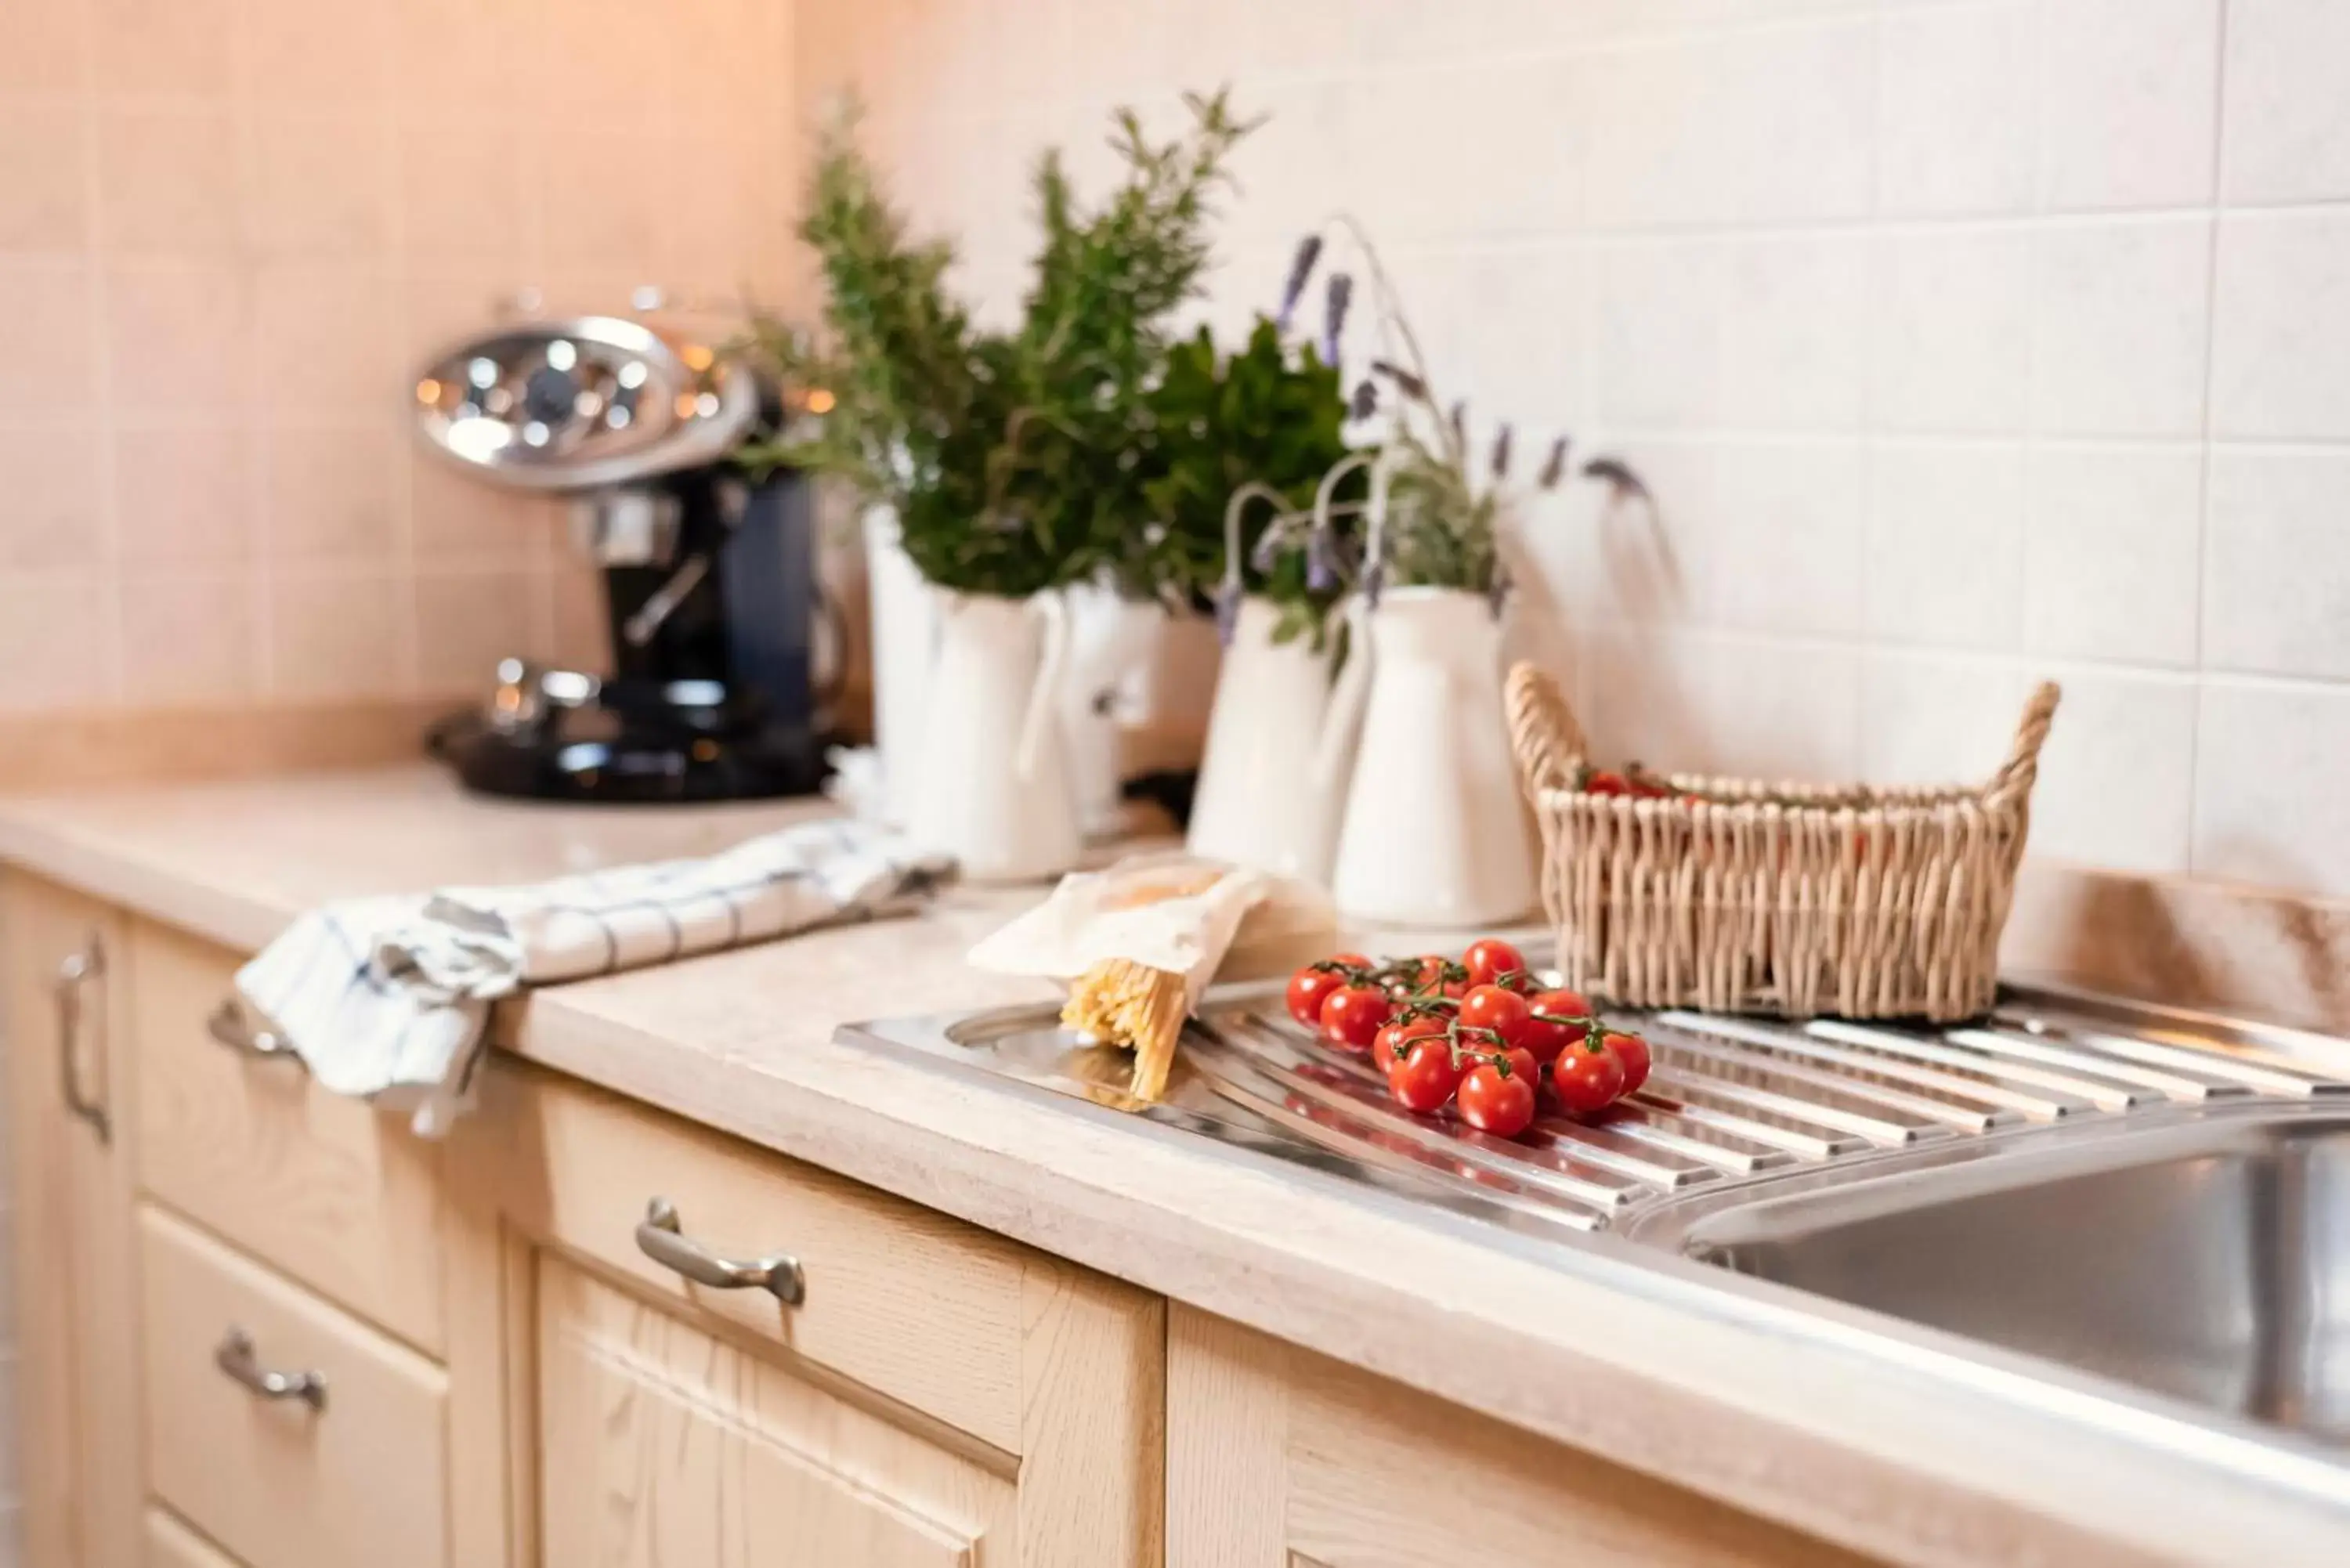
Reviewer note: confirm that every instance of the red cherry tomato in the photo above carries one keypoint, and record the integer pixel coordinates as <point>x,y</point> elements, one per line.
<point>1396,1036</point>
<point>1632,1052</point>
<point>1521,1060</point>
<point>1309,986</point>
<point>1497,1099</point>
<point>1559,1019</point>
<point>1431,975</point>
<point>1424,1076</point>
<point>1504,1012</point>
<point>1489,959</point>
<point>1587,1077</point>
<point>1351,1016</point>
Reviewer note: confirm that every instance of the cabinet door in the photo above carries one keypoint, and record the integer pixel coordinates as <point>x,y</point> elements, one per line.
<point>1277,1457</point>
<point>663,1443</point>
<point>932,1394</point>
<point>66,991</point>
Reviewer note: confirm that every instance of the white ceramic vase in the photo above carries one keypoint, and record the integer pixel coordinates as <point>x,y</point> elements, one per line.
<point>905,651</point>
<point>1434,832</point>
<point>992,788</point>
<point>1278,757</point>
<point>1111,641</point>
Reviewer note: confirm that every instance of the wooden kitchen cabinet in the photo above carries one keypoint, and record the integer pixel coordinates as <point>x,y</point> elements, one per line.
<point>937,1396</point>
<point>71,1092</point>
<point>1279,1458</point>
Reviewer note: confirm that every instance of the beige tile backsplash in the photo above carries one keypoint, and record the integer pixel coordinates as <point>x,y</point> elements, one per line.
<point>1962,340</point>
<point>230,230</point>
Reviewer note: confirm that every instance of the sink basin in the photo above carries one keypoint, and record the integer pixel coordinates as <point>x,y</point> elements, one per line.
<point>2209,1262</point>
<point>2150,1197</point>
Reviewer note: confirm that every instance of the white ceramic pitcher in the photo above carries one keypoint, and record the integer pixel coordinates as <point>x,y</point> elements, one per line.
<point>905,650</point>
<point>1271,780</point>
<point>1434,832</point>
<point>993,785</point>
<point>1111,639</point>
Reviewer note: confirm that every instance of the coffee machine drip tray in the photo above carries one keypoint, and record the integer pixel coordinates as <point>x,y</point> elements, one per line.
<point>561,735</point>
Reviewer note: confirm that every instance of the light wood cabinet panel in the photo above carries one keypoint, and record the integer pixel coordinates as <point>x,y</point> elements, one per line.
<point>663,1444</point>
<point>171,1544</point>
<point>904,1300</point>
<point>76,1268</point>
<point>1278,1457</point>
<point>359,1481</point>
<point>318,1184</point>
<point>940,1397</point>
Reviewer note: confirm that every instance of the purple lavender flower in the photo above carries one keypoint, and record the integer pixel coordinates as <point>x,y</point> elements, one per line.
<point>1336,298</point>
<point>1321,570</point>
<point>1301,268</point>
<point>1409,384</point>
<point>1618,477</point>
<point>1553,467</point>
<point>1365,401</point>
<point>1228,609</point>
<point>1502,452</point>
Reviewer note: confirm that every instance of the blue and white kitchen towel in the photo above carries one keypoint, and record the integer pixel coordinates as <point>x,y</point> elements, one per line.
<point>389,998</point>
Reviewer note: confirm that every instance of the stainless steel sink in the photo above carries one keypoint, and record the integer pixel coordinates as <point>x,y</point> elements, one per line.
<point>2146,1195</point>
<point>2210,1262</point>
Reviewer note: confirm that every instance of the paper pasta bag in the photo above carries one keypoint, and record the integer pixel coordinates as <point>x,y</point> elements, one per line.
<point>1137,943</point>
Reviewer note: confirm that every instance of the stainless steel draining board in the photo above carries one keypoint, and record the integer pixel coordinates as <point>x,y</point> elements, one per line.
<point>1731,1099</point>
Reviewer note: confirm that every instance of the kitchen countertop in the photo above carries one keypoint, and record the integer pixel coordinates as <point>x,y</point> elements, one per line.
<point>1879,1447</point>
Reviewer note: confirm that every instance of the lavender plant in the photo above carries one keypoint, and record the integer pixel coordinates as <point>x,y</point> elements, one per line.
<point>1444,501</point>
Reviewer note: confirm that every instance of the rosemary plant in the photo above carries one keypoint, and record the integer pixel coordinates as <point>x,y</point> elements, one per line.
<point>1013,458</point>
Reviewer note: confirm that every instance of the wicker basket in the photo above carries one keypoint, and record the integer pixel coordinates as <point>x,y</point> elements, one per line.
<point>1794,900</point>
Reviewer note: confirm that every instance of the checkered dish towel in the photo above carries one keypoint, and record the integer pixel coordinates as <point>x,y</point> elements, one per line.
<point>389,998</point>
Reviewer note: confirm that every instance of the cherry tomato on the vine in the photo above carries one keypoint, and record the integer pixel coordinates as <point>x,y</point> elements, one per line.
<point>1430,975</point>
<point>1351,1016</point>
<point>1504,1012</point>
<point>1309,986</point>
<point>1424,1076</point>
<point>1632,1052</point>
<point>1490,958</point>
<point>1557,1019</point>
<point>1497,1099</point>
<point>1587,1077</point>
<point>1397,1034</point>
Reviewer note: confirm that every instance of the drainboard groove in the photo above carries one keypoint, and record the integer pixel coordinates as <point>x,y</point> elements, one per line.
<point>2105,1096</point>
<point>2046,1106</point>
<point>2184,1088</point>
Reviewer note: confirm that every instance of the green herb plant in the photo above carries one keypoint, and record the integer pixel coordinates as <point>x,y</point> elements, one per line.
<point>1241,440</point>
<point>1014,459</point>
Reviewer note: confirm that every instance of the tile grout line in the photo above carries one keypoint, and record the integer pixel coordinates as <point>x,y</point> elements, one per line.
<point>2210,382</point>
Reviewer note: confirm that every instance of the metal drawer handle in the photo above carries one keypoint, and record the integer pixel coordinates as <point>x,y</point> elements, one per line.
<point>658,1238</point>
<point>77,970</point>
<point>227,1024</point>
<point>236,1357</point>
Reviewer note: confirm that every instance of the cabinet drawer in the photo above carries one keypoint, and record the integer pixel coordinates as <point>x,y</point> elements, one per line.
<point>336,1194</point>
<point>912,1304</point>
<point>357,1481</point>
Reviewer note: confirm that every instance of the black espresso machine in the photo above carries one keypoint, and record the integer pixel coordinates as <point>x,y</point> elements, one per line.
<point>718,624</point>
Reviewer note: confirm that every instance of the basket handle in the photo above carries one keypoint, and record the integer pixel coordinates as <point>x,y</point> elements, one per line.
<point>2017,774</point>
<point>1544,735</point>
